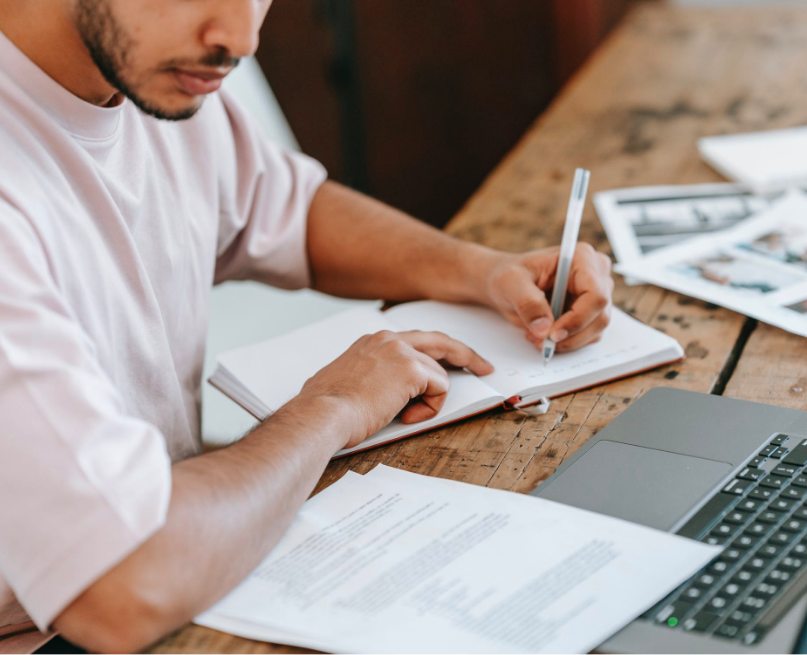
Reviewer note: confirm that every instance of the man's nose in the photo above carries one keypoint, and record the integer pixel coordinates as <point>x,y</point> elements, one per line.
<point>235,27</point>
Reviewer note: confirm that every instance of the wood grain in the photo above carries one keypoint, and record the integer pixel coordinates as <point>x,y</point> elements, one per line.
<point>632,115</point>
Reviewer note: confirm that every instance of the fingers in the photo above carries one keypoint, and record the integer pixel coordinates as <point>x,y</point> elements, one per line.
<point>431,401</point>
<point>528,302</point>
<point>591,334</point>
<point>441,347</point>
<point>434,392</point>
<point>591,286</point>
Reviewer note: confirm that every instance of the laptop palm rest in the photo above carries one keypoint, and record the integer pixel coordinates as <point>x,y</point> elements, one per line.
<point>642,485</point>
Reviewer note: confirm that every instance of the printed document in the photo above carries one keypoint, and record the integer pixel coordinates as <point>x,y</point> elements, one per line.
<point>758,267</point>
<point>640,220</point>
<point>398,562</point>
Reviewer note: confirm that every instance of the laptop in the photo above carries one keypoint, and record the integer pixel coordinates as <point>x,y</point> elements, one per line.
<point>722,471</point>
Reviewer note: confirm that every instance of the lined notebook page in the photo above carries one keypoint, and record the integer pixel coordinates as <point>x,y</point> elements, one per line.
<point>519,366</point>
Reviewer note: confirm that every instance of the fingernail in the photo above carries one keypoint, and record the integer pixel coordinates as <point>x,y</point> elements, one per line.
<point>559,335</point>
<point>540,327</point>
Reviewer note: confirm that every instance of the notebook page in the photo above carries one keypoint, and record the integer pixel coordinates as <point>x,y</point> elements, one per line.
<point>276,370</point>
<point>518,363</point>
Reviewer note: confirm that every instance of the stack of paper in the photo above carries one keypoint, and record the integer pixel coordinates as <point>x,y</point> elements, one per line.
<point>757,267</point>
<point>765,161</point>
<point>397,562</point>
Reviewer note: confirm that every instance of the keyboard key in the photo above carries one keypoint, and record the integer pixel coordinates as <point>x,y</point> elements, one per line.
<point>715,540</point>
<point>737,487</point>
<point>701,622</point>
<point>768,451</point>
<point>769,551</point>
<point>764,589</point>
<point>800,480</point>
<point>736,517</point>
<point>761,493</point>
<point>757,462</point>
<point>718,568</point>
<point>747,505</point>
<point>726,529</point>
<point>743,577</point>
<point>774,482</point>
<point>739,617</point>
<point>778,576</point>
<point>753,603</point>
<point>798,455</point>
<point>791,563</point>
<point>793,525</point>
<point>785,470</point>
<point>745,541</point>
<point>781,505</point>
<point>780,538</point>
<point>778,440</point>
<point>769,516</point>
<point>757,563</point>
<point>780,452</point>
<point>706,515</point>
<point>692,594</point>
<point>751,474</point>
<point>794,493</point>
<point>730,555</point>
<point>751,637</point>
<point>718,605</point>
<point>730,590</point>
<point>756,529</point>
<point>704,580</point>
<point>800,513</point>
<point>728,630</point>
<point>799,550</point>
<point>677,610</point>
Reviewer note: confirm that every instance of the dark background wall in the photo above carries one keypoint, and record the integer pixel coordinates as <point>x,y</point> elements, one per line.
<point>415,101</point>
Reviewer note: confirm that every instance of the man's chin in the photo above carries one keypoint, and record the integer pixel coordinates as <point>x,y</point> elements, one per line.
<point>169,111</point>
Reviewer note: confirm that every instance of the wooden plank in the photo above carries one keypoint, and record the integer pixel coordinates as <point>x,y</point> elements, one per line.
<point>772,369</point>
<point>667,76</point>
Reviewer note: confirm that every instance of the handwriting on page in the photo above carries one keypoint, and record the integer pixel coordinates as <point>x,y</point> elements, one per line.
<point>562,367</point>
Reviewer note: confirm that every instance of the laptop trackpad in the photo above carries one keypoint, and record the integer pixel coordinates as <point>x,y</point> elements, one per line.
<point>642,485</point>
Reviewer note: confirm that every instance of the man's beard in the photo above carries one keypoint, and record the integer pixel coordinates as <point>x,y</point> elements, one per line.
<point>109,47</point>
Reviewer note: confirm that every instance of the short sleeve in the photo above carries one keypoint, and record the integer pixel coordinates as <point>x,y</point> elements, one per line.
<point>83,484</point>
<point>266,192</point>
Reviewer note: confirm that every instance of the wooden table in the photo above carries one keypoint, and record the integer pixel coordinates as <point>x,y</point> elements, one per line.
<point>632,115</point>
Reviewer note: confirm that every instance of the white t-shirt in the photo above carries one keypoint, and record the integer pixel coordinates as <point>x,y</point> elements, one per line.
<point>113,228</point>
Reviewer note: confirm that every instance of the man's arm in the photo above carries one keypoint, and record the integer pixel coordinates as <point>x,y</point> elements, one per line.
<point>361,248</point>
<point>230,507</point>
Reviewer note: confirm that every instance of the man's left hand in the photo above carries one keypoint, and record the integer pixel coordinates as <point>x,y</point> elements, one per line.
<point>519,287</point>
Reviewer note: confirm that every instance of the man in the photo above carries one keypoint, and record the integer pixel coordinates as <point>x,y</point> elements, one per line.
<point>124,195</point>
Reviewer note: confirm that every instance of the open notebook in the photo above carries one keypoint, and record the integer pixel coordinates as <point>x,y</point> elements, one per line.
<point>263,377</point>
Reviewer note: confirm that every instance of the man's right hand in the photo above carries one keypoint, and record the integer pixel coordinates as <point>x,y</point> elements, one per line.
<point>384,373</point>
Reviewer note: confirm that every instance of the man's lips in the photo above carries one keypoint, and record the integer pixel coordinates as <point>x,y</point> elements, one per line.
<point>199,82</point>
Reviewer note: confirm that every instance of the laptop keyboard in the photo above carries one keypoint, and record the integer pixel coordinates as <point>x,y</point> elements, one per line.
<point>761,518</point>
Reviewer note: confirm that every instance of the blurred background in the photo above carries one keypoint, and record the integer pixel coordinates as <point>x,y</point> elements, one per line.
<point>415,101</point>
<point>411,101</point>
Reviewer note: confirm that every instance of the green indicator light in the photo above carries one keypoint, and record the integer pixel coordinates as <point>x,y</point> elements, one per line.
<point>672,622</point>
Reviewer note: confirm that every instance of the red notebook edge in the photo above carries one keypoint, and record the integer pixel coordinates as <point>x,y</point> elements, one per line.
<point>507,405</point>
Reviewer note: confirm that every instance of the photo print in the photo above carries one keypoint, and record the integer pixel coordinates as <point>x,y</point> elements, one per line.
<point>739,273</point>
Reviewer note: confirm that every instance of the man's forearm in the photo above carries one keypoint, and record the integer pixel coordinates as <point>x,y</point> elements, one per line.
<point>228,509</point>
<point>362,248</point>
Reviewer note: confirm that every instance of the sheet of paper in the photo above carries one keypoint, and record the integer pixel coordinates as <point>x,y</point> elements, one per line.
<point>773,159</point>
<point>396,562</point>
<point>758,267</point>
<point>640,220</point>
<point>518,363</point>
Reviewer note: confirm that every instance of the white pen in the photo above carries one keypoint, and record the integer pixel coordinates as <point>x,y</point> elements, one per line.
<point>571,229</point>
